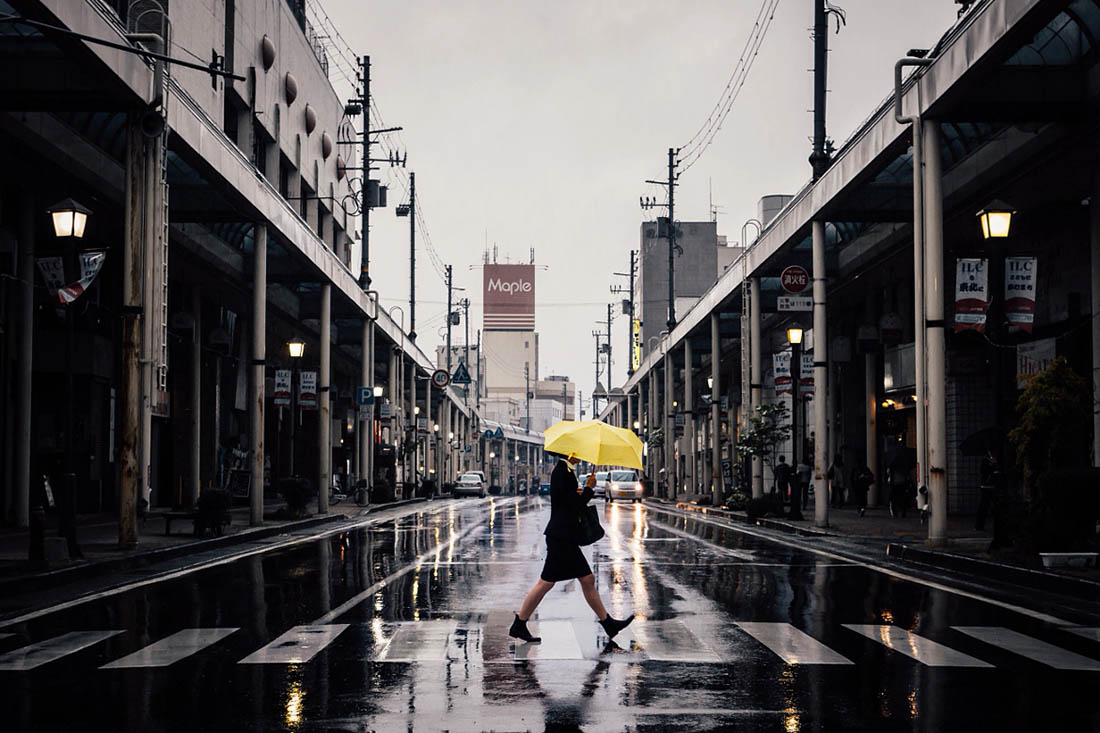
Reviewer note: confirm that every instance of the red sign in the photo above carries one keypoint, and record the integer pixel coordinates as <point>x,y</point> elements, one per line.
<point>795,279</point>
<point>509,296</point>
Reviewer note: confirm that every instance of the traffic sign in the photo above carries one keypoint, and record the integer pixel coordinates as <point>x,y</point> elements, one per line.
<point>461,375</point>
<point>440,378</point>
<point>499,433</point>
<point>488,435</point>
<point>364,396</point>
<point>794,279</point>
<point>468,449</point>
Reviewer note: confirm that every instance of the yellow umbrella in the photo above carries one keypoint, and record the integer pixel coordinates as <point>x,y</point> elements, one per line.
<point>596,442</point>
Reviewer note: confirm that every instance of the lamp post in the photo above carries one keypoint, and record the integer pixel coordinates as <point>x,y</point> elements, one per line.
<point>296,348</point>
<point>69,222</point>
<point>794,338</point>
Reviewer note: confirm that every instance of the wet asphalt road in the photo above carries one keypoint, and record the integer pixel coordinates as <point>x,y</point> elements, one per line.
<point>402,626</point>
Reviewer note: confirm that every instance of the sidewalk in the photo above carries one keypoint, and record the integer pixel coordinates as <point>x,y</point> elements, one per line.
<point>905,539</point>
<point>97,536</point>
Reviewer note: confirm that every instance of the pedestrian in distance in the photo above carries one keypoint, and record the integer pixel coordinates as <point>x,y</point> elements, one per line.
<point>836,481</point>
<point>564,559</point>
<point>795,480</point>
<point>803,474</point>
<point>862,478</point>
<point>988,474</point>
<point>782,475</point>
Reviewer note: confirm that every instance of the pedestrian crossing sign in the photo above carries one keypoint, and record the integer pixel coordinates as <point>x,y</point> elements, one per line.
<point>461,375</point>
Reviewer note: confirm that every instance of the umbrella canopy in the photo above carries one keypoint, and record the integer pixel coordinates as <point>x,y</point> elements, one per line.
<point>986,439</point>
<point>595,442</point>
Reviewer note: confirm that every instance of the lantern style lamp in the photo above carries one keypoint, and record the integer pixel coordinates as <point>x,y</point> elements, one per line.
<point>296,348</point>
<point>69,218</point>
<point>794,335</point>
<point>996,220</point>
<point>378,391</point>
<point>637,425</point>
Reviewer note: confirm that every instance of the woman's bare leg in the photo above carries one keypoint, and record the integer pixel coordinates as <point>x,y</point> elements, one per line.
<point>592,596</point>
<point>534,598</point>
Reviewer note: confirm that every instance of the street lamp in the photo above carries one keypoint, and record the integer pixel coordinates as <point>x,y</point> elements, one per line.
<point>794,338</point>
<point>378,391</point>
<point>996,219</point>
<point>296,348</point>
<point>637,426</point>
<point>69,218</point>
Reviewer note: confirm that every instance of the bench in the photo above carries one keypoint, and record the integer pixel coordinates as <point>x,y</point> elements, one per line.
<point>193,515</point>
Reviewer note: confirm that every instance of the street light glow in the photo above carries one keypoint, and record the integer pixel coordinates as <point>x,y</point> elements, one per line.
<point>996,220</point>
<point>794,335</point>
<point>296,348</point>
<point>378,390</point>
<point>69,218</point>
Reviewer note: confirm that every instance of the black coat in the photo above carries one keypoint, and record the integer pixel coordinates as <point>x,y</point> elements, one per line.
<point>565,502</point>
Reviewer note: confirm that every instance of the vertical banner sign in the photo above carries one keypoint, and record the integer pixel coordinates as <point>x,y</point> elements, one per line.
<point>385,412</point>
<point>307,390</point>
<point>90,265</point>
<point>636,344</point>
<point>971,294</point>
<point>282,387</point>
<point>782,362</point>
<point>806,375</point>
<point>1020,291</point>
<point>53,271</point>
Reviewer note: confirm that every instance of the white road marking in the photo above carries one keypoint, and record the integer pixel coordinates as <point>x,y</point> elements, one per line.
<point>1089,632</point>
<point>171,649</point>
<point>791,644</point>
<point>368,521</point>
<point>671,641</point>
<point>879,569</point>
<point>419,641</point>
<point>44,652</point>
<point>1026,646</point>
<point>916,647</point>
<point>743,554</point>
<point>559,641</point>
<point>296,646</point>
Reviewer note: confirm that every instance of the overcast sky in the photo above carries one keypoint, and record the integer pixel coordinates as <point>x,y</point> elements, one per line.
<point>532,123</point>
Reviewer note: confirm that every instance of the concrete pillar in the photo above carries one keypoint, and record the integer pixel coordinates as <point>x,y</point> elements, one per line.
<point>821,380</point>
<point>24,368</point>
<point>153,229</point>
<point>870,391</point>
<point>194,480</point>
<point>366,428</point>
<point>324,403</point>
<point>936,420</point>
<point>755,363</point>
<point>1094,218</point>
<point>689,418</point>
<point>652,422</point>
<point>259,355</point>
<point>715,407</point>
<point>415,423</point>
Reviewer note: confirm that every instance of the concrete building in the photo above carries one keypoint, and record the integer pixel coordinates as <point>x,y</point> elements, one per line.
<point>221,208</point>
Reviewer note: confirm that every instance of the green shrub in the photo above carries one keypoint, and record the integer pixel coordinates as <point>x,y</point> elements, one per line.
<point>737,501</point>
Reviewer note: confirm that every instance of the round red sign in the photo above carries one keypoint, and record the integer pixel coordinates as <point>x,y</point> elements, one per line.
<point>795,279</point>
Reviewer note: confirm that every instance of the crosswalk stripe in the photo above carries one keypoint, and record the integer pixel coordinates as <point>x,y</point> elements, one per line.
<point>171,649</point>
<point>916,647</point>
<point>559,641</point>
<point>35,655</point>
<point>1026,646</point>
<point>296,646</point>
<point>419,641</point>
<point>671,641</point>
<point>791,644</point>
<point>1089,632</point>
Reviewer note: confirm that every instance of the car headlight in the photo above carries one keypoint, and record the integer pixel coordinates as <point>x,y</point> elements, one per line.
<point>614,486</point>
<point>638,486</point>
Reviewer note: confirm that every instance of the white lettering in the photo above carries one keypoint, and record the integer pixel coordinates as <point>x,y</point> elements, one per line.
<point>513,287</point>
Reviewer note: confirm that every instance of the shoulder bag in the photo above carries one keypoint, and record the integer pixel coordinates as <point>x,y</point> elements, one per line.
<point>588,528</point>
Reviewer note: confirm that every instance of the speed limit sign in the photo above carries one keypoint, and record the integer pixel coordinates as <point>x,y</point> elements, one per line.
<point>440,378</point>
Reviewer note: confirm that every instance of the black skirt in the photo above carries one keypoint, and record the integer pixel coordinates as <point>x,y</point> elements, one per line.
<point>564,561</point>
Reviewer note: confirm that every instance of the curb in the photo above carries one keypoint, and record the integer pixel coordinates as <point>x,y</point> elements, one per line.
<point>52,578</point>
<point>1035,579</point>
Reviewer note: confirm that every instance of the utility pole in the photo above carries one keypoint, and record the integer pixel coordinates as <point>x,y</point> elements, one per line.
<point>822,153</point>
<point>412,256</point>
<point>478,401</point>
<point>450,320</point>
<point>628,310</point>
<point>608,350</point>
<point>596,387</point>
<point>364,221</point>
<point>465,303</point>
<point>670,232</point>
<point>527,391</point>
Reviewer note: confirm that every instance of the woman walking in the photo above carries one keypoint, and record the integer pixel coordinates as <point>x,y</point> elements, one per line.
<point>564,559</point>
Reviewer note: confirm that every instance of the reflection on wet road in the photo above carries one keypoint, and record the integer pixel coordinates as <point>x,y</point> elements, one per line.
<point>403,626</point>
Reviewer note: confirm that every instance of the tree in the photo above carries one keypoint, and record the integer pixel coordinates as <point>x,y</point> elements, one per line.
<point>1054,418</point>
<point>770,426</point>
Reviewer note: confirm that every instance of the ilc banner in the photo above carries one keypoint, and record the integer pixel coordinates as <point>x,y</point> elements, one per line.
<point>1020,291</point>
<point>971,294</point>
<point>282,387</point>
<point>806,375</point>
<point>307,390</point>
<point>782,363</point>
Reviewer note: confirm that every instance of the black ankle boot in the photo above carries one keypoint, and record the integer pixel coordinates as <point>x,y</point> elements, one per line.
<point>613,626</point>
<point>519,631</point>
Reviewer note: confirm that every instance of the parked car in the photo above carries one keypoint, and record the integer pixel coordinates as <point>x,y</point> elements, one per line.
<point>600,491</point>
<point>544,489</point>
<point>624,484</point>
<point>470,484</point>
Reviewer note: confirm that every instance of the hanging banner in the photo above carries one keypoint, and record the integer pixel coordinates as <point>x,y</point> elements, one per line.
<point>1020,291</point>
<point>90,265</point>
<point>53,271</point>
<point>307,390</point>
<point>806,375</point>
<point>385,412</point>
<point>1032,358</point>
<point>782,362</point>
<point>635,344</point>
<point>971,294</point>
<point>282,387</point>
